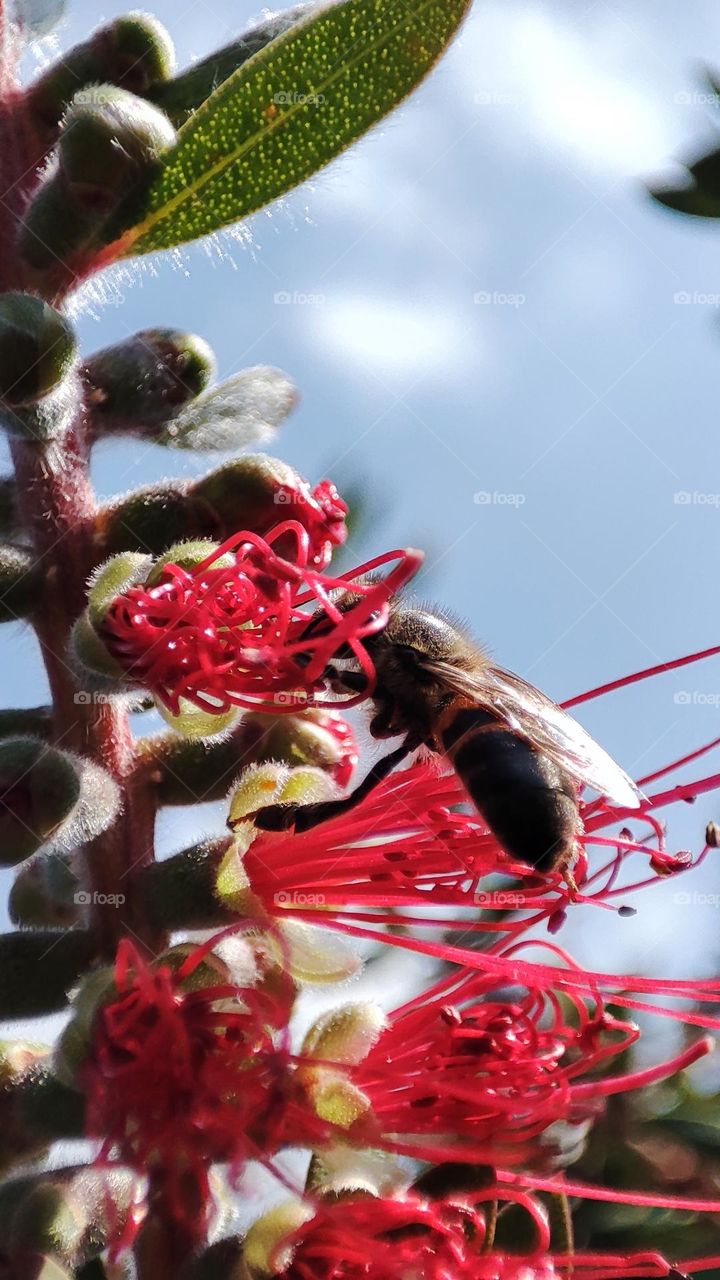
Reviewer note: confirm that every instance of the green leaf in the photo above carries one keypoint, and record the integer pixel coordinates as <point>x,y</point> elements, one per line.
<point>182,95</point>
<point>289,111</point>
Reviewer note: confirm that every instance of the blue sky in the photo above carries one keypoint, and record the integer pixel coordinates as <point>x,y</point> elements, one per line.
<point>484,301</point>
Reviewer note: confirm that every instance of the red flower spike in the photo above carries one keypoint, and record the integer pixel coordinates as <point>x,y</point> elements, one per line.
<point>179,1078</point>
<point>482,1078</point>
<point>381,1239</point>
<point>234,635</point>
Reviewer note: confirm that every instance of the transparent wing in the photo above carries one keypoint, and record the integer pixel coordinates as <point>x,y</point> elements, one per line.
<point>544,724</point>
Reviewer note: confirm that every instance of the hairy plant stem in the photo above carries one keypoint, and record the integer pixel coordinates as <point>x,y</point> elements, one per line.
<point>57,506</point>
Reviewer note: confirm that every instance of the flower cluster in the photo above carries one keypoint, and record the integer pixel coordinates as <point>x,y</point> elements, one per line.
<point>381,1238</point>
<point>185,1070</point>
<point>504,1063</point>
<point>234,629</point>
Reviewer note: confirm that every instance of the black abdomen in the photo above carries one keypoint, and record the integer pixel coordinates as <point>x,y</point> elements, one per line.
<point>524,797</point>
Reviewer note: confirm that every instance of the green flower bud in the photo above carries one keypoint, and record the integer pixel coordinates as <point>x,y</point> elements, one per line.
<point>110,144</point>
<point>20,582</point>
<point>37,349</point>
<point>72,1047</point>
<point>314,737</point>
<point>152,519</point>
<point>38,968</point>
<point>244,493</point>
<point>69,1216</point>
<point>35,1108</point>
<point>346,1034</point>
<point>133,51</point>
<point>43,894</point>
<point>47,1221</point>
<point>50,797</point>
<point>95,664</point>
<point>185,93</point>
<point>264,784</point>
<point>39,789</point>
<point>109,151</point>
<point>10,523</point>
<point>21,721</point>
<point>136,386</point>
<point>261,1250</point>
<point>180,892</point>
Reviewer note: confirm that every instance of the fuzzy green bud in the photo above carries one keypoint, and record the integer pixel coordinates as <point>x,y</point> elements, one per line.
<point>182,95</point>
<point>39,789</point>
<point>243,493</point>
<point>10,522</point>
<point>38,968</point>
<point>109,151</point>
<point>262,1248</point>
<point>43,894</point>
<point>50,797</point>
<point>152,519</point>
<point>180,892</point>
<point>264,784</point>
<point>20,582</point>
<point>136,386</point>
<point>314,737</point>
<point>37,348</point>
<point>35,1108</point>
<point>69,1216</point>
<point>133,51</point>
<point>111,141</point>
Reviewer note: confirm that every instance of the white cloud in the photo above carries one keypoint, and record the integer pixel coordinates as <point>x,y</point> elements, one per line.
<point>394,338</point>
<point>590,95</point>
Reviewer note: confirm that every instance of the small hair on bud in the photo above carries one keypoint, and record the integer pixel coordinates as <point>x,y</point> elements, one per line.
<point>134,52</point>
<point>20,582</point>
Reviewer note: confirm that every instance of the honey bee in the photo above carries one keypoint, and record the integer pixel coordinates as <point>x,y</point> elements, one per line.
<point>522,760</point>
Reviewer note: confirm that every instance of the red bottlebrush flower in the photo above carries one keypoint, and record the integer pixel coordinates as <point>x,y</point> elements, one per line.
<point>448,1239</point>
<point>180,1076</point>
<point>475,1074</point>
<point>416,842</point>
<point>233,629</point>
<point>381,1239</point>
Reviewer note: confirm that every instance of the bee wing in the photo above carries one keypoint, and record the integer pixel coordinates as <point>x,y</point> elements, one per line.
<point>533,716</point>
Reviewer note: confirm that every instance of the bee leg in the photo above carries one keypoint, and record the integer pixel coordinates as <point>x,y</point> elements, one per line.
<point>279,817</point>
